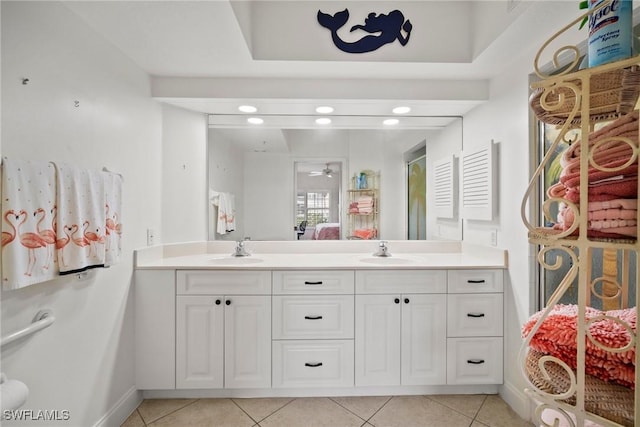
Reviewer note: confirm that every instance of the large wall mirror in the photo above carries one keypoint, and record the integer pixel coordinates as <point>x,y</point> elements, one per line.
<point>280,177</point>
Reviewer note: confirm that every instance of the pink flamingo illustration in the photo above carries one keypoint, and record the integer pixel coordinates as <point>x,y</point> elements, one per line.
<point>62,242</point>
<point>54,219</point>
<point>92,237</point>
<point>10,217</point>
<point>31,241</point>
<point>81,240</point>
<point>48,235</point>
<point>110,226</point>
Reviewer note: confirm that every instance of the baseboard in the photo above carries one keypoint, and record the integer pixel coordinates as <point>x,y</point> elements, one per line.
<point>121,410</point>
<point>517,400</point>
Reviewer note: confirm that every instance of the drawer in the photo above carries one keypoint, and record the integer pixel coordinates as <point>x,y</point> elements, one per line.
<point>313,317</point>
<point>203,282</point>
<point>472,281</point>
<point>474,315</point>
<point>306,363</point>
<point>313,282</point>
<point>401,281</point>
<point>474,360</point>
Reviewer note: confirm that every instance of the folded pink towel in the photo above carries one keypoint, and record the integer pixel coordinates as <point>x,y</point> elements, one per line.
<point>557,336</point>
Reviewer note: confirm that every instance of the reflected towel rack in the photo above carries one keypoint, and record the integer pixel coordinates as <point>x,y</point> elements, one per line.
<point>42,319</point>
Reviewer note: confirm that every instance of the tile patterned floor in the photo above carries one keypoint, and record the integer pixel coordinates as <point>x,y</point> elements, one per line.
<point>373,411</point>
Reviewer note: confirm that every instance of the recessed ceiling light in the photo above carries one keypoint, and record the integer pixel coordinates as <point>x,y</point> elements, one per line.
<point>247,108</point>
<point>324,110</point>
<point>390,122</point>
<point>255,120</point>
<point>323,121</point>
<point>401,110</point>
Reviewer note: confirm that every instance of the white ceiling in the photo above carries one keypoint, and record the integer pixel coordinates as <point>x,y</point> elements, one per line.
<point>201,53</point>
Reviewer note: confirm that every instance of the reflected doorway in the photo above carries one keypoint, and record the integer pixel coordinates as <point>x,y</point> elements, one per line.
<point>318,196</point>
<point>417,198</point>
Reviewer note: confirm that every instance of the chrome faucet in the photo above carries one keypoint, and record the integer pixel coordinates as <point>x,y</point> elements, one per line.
<point>383,250</point>
<point>240,250</point>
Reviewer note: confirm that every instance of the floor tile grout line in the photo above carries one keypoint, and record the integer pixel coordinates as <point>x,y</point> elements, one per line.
<point>245,412</point>
<point>345,408</point>
<point>380,408</point>
<point>473,418</point>
<point>140,415</point>
<point>264,418</point>
<point>166,415</point>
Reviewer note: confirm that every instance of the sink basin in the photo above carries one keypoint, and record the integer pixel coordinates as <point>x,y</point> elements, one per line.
<point>232,260</point>
<point>388,260</point>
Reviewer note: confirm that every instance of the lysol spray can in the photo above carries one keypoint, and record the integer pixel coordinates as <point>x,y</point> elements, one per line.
<point>610,31</point>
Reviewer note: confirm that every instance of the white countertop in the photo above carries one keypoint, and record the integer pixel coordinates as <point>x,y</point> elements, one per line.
<point>337,255</point>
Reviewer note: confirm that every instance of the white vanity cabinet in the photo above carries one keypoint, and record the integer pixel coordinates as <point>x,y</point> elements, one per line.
<point>223,329</point>
<point>155,330</point>
<point>313,328</point>
<point>475,327</point>
<point>400,334</point>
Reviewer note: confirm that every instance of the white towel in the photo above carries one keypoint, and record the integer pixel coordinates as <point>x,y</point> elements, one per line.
<point>28,209</point>
<point>226,213</point>
<point>81,219</point>
<point>113,222</point>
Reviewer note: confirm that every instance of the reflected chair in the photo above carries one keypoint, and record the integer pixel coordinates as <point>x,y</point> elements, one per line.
<point>301,228</point>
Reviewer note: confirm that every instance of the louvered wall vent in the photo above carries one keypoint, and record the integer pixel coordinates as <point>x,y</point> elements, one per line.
<point>445,173</point>
<point>478,183</point>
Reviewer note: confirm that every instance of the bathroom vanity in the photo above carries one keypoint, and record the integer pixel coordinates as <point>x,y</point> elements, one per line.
<point>318,318</point>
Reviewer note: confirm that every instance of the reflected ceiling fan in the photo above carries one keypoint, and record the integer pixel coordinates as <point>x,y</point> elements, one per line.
<point>327,171</point>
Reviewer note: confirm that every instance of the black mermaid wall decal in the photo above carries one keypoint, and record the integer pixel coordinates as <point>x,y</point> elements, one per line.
<point>389,26</point>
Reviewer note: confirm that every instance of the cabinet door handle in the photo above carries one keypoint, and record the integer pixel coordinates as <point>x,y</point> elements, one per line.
<point>475,281</point>
<point>475,314</point>
<point>218,302</point>
<point>397,300</point>
<point>475,361</point>
<point>228,302</point>
<point>313,317</point>
<point>306,282</point>
<point>313,365</point>
<point>406,300</point>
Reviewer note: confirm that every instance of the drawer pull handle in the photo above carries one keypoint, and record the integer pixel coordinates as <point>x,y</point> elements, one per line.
<point>313,317</point>
<point>218,302</point>
<point>475,314</point>
<point>313,365</point>
<point>476,281</point>
<point>397,300</point>
<point>475,361</point>
<point>306,282</point>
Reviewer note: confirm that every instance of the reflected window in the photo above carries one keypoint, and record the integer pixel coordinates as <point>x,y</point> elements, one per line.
<point>313,207</point>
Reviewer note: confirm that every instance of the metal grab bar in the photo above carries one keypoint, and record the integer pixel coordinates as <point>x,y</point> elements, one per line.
<point>42,319</point>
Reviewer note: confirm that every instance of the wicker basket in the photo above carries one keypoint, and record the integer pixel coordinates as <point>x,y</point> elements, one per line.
<point>611,401</point>
<point>613,94</point>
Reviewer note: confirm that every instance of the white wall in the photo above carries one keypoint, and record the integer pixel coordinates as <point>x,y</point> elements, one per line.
<point>226,174</point>
<point>184,175</point>
<point>268,196</point>
<point>84,361</point>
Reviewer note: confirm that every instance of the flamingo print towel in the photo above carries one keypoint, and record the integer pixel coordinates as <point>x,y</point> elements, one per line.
<point>28,225</point>
<point>113,222</point>
<point>81,219</point>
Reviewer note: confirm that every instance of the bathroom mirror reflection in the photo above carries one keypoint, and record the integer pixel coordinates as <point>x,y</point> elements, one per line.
<point>260,169</point>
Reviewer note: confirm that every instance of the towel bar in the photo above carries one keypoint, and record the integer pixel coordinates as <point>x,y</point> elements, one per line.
<point>42,319</point>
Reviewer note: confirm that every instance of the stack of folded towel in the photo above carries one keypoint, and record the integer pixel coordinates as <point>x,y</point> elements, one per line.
<point>363,205</point>
<point>612,186</point>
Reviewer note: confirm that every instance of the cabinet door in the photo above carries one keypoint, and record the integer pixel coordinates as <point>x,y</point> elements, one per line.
<point>424,339</point>
<point>247,341</point>
<point>199,342</point>
<point>377,340</point>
